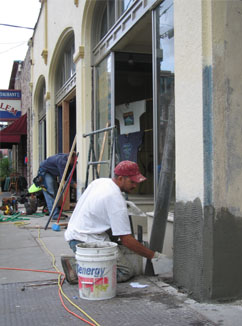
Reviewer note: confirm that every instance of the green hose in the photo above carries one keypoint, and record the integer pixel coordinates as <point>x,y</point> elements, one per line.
<point>12,218</point>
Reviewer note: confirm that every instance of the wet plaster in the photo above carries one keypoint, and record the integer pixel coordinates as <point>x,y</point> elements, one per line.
<point>207,251</point>
<point>227,276</point>
<point>188,247</point>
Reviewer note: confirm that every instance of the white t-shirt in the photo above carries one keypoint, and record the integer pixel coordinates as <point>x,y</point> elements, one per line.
<point>101,207</point>
<point>129,116</point>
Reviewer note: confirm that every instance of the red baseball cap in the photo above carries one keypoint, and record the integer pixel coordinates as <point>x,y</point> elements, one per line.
<point>129,169</point>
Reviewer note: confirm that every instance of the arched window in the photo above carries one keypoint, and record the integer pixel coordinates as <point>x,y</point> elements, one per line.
<point>66,67</point>
<point>42,121</point>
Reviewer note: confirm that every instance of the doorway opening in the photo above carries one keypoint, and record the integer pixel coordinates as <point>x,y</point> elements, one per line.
<point>134,113</point>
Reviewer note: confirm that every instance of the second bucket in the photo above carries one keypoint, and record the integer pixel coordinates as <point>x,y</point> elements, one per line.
<point>97,270</point>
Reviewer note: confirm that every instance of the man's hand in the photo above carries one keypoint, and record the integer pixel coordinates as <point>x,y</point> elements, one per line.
<point>158,255</point>
<point>130,242</point>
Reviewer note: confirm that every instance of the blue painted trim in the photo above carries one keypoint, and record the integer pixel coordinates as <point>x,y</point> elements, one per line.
<point>208,135</point>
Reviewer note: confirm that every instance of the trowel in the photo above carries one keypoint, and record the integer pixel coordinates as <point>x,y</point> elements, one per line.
<point>163,265</point>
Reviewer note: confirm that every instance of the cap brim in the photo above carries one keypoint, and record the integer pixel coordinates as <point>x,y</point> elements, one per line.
<point>137,178</point>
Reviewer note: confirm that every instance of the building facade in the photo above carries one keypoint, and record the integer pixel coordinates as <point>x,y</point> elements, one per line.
<point>106,64</point>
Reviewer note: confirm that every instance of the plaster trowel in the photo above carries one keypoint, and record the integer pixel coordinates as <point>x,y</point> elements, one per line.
<point>163,265</point>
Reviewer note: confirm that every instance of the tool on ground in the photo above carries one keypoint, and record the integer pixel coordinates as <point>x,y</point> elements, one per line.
<point>32,199</point>
<point>9,206</point>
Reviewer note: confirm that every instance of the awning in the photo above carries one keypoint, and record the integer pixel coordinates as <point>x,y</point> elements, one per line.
<point>12,134</point>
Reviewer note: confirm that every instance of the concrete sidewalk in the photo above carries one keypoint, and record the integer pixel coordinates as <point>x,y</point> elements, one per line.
<point>31,298</point>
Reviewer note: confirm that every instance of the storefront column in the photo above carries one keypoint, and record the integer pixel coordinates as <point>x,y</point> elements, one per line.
<point>50,128</point>
<point>208,212</point>
<point>83,116</point>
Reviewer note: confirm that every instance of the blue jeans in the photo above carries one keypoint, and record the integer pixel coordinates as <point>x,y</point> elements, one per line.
<point>52,188</point>
<point>73,244</point>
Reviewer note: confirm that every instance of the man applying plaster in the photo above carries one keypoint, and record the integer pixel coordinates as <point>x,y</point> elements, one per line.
<point>102,208</point>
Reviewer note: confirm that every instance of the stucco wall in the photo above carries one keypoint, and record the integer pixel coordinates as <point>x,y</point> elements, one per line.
<point>188,99</point>
<point>227,73</point>
<point>227,107</point>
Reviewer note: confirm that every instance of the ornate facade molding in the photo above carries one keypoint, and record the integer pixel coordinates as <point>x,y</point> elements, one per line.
<point>44,55</point>
<point>79,54</point>
<point>47,96</point>
<point>66,89</point>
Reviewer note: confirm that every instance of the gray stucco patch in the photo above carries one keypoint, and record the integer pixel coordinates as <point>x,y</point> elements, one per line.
<point>207,251</point>
<point>227,277</point>
<point>188,246</point>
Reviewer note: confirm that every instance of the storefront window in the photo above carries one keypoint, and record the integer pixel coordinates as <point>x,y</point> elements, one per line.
<point>112,10</point>
<point>42,122</point>
<point>103,79</point>
<point>163,52</point>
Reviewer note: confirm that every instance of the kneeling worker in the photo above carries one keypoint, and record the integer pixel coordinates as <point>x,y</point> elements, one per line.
<point>102,207</point>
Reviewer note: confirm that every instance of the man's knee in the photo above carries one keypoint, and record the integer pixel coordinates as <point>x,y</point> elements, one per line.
<point>125,269</point>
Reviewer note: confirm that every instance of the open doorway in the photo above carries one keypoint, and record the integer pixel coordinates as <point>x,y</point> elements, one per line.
<point>134,113</point>
<point>133,89</point>
<point>66,131</point>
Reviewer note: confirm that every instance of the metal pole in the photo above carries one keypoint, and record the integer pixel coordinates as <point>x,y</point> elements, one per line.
<point>98,131</point>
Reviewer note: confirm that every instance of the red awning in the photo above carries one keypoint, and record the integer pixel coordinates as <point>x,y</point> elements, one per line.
<point>12,134</point>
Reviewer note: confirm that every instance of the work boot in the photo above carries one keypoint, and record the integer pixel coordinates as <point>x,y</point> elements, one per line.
<point>69,267</point>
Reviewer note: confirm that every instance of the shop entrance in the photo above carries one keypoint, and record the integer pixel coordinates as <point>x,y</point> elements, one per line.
<point>134,85</point>
<point>124,98</point>
<point>134,101</point>
<point>66,131</point>
<point>134,113</point>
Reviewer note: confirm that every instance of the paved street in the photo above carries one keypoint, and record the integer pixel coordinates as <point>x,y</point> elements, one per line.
<point>31,298</point>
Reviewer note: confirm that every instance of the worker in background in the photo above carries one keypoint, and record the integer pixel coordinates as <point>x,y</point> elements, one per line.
<point>101,209</point>
<point>49,170</point>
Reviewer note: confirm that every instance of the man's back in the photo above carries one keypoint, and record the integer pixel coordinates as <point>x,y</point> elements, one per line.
<point>54,164</point>
<point>100,208</point>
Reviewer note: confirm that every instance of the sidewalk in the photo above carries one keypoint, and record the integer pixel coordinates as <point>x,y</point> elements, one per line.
<point>31,298</point>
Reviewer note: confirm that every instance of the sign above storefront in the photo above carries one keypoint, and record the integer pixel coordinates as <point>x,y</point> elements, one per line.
<point>10,104</point>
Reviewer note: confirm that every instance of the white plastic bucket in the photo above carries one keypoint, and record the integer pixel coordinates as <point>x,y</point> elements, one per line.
<point>97,270</point>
